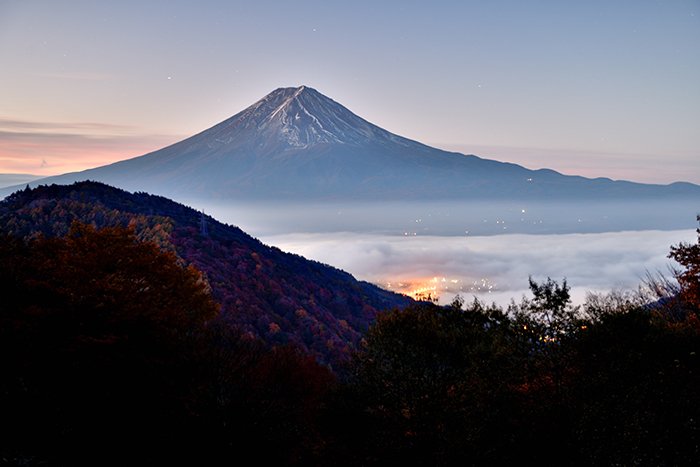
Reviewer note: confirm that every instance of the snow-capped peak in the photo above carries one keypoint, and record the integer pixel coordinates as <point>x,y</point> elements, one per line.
<point>300,117</point>
<point>296,118</point>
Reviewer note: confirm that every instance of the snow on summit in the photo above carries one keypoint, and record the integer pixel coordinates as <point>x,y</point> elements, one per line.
<point>303,117</point>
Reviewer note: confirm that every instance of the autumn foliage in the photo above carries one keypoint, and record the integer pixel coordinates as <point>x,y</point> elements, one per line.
<point>111,354</point>
<point>147,342</point>
<point>278,297</point>
<point>688,256</point>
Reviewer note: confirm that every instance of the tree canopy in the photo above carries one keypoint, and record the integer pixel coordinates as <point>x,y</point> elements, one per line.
<point>90,325</point>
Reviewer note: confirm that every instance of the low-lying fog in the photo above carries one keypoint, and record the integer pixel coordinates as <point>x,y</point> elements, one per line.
<point>487,250</point>
<point>452,218</point>
<point>494,268</point>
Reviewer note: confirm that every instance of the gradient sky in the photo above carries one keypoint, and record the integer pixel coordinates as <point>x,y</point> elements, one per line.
<point>597,88</point>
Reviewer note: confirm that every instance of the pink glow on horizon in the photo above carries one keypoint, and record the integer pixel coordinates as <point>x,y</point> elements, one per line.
<point>52,149</point>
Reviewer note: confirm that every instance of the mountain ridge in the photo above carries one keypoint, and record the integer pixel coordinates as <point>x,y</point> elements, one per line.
<point>298,143</point>
<point>279,297</point>
<point>16,179</point>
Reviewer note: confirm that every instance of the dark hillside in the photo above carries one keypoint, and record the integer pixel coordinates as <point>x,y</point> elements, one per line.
<point>279,297</point>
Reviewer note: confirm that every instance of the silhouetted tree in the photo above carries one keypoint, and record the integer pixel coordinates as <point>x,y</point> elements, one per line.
<point>688,255</point>
<point>432,382</point>
<point>95,332</point>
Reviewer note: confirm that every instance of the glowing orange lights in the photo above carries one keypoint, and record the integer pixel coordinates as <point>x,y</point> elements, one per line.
<point>433,288</point>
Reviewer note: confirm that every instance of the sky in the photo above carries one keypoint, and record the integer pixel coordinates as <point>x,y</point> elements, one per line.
<point>596,88</point>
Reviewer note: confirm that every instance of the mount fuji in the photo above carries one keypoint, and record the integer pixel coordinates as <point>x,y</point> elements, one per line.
<point>296,143</point>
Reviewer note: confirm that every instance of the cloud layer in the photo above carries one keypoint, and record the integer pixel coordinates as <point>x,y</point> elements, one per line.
<point>470,265</point>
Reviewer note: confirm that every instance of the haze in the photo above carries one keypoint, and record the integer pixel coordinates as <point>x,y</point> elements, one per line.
<point>487,250</point>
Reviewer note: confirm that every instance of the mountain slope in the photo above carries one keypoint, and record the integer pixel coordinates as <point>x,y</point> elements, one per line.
<point>280,297</point>
<point>298,143</point>
<point>16,179</point>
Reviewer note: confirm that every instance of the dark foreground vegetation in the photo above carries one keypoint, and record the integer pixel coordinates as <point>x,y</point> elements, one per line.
<point>277,297</point>
<point>112,352</point>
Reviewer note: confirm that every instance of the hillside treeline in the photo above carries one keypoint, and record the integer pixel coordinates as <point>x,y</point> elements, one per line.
<point>111,353</point>
<point>278,297</point>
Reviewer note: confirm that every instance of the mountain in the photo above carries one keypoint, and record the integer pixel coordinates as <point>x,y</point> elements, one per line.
<point>296,143</point>
<point>16,179</point>
<point>279,297</point>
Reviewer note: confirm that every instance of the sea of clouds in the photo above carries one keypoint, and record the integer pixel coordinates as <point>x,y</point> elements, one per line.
<point>493,268</point>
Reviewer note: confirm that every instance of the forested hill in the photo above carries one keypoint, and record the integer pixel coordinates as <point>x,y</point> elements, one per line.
<point>277,296</point>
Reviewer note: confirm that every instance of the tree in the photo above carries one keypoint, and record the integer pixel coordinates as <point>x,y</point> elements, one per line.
<point>544,327</point>
<point>688,256</point>
<point>633,399</point>
<point>550,307</point>
<point>96,338</point>
<point>431,382</point>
